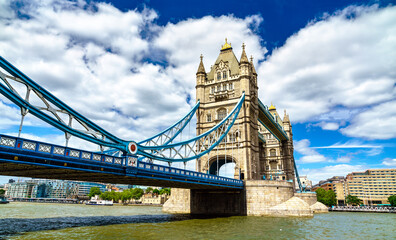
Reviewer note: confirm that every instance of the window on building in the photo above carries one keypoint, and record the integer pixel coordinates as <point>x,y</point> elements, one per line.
<point>232,137</point>
<point>209,117</point>
<point>221,114</point>
<point>272,153</point>
<point>218,88</point>
<point>224,87</point>
<point>212,89</point>
<point>224,75</point>
<point>230,86</point>
<point>218,76</point>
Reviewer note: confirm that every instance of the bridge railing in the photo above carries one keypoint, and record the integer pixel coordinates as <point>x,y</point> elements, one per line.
<point>129,161</point>
<point>188,173</point>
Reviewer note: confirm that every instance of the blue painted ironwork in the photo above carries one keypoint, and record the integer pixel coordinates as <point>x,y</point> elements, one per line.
<point>264,110</point>
<point>124,166</point>
<point>168,135</point>
<point>196,147</point>
<point>93,132</point>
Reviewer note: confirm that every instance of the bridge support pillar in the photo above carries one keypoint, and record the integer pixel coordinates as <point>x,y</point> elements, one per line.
<point>206,202</point>
<point>259,198</point>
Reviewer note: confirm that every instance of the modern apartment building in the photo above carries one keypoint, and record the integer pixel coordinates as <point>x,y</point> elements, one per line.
<point>373,186</point>
<point>45,188</point>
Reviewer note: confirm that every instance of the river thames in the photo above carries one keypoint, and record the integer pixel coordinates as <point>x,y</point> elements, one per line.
<point>68,221</point>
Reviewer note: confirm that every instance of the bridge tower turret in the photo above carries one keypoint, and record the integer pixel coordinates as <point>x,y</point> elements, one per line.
<point>218,92</point>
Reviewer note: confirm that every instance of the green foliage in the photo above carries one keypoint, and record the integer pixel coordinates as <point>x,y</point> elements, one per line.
<point>328,198</point>
<point>137,193</point>
<point>156,191</point>
<point>149,189</point>
<point>353,200</point>
<point>126,195</point>
<point>392,200</point>
<point>2,192</point>
<point>166,191</point>
<point>94,191</point>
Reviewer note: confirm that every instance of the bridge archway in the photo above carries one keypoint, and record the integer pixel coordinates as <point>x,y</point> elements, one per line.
<point>223,164</point>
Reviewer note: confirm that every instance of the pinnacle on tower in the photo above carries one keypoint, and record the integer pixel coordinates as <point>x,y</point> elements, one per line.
<point>286,117</point>
<point>244,58</point>
<point>201,68</point>
<point>272,107</point>
<point>226,46</point>
<point>251,63</point>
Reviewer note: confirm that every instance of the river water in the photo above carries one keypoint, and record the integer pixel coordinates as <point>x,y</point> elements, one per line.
<point>69,221</point>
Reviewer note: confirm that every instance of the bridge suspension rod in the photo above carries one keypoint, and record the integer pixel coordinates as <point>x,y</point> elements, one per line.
<point>196,147</point>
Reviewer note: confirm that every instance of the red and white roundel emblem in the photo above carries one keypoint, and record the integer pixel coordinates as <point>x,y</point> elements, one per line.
<point>132,147</point>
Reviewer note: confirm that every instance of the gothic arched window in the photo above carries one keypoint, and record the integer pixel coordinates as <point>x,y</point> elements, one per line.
<point>272,153</point>
<point>209,117</point>
<point>218,76</point>
<point>221,114</point>
<point>230,86</point>
<point>224,75</point>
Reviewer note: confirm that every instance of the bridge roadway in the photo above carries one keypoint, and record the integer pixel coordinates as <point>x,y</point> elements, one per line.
<point>28,158</point>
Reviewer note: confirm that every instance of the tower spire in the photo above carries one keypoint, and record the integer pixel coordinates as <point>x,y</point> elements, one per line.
<point>226,45</point>
<point>244,58</point>
<point>201,68</point>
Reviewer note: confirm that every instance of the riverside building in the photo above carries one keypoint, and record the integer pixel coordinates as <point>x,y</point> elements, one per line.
<point>373,186</point>
<point>45,188</point>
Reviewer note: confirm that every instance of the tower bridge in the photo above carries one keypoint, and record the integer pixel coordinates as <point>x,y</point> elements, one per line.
<point>233,126</point>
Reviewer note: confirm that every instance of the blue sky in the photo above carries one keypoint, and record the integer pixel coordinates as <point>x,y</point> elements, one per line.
<point>130,66</point>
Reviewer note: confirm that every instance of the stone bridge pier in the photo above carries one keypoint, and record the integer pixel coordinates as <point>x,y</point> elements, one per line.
<point>258,198</point>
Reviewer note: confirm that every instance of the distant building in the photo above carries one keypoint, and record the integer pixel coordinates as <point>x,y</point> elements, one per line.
<point>45,188</point>
<point>152,198</point>
<point>85,187</point>
<point>373,186</point>
<point>20,190</point>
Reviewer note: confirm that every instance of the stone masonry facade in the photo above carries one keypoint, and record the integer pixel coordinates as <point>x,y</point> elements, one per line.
<point>218,92</point>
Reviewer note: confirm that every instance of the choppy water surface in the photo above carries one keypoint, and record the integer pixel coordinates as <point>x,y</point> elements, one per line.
<point>62,221</point>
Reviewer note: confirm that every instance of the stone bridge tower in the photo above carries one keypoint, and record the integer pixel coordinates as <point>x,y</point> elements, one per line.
<point>258,155</point>
<point>218,91</point>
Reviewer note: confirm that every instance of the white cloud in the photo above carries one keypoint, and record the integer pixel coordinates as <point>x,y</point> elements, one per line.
<point>316,175</point>
<point>351,144</point>
<point>93,57</point>
<point>376,123</point>
<point>389,162</point>
<point>337,62</point>
<point>309,154</point>
<point>343,159</point>
<point>5,9</point>
<point>328,125</point>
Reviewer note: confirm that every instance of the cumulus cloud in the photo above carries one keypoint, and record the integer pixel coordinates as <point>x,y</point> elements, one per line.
<point>328,125</point>
<point>388,162</point>
<point>316,175</point>
<point>375,123</point>
<point>344,61</point>
<point>309,154</point>
<point>99,60</point>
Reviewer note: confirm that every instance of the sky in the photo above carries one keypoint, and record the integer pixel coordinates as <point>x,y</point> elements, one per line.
<point>130,67</point>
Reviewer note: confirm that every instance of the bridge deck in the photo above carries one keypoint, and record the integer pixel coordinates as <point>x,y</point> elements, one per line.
<point>27,158</point>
